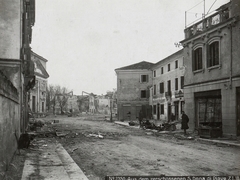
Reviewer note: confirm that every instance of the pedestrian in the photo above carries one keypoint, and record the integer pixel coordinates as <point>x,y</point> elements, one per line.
<point>185,121</point>
<point>140,118</point>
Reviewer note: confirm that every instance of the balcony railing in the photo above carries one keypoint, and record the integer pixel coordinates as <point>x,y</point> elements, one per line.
<point>207,23</point>
<point>179,94</point>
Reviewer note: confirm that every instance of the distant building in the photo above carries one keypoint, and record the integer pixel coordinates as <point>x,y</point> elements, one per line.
<point>103,104</point>
<point>93,105</point>
<point>37,99</point>
<point>83,103</point>
<point>167,87</point>
<point>212,77</point>
<point>133,84</point>
<point>72,104</point>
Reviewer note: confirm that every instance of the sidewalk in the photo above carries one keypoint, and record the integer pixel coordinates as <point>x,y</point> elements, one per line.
<point>228,142</point>
<point>48,160</point>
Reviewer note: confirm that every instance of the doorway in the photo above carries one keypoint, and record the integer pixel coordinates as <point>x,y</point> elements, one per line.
<point>176,105</point>
<point>169,111</point>
<point>33,103</point>
<point>158,111</point>
<point>238,111</point>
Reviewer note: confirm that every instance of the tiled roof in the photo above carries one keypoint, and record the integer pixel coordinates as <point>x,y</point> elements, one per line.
<point>140,65</point>
<point>178,53</point>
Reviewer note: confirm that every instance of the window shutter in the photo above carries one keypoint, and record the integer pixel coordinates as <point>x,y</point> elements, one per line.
<point>193,60</point>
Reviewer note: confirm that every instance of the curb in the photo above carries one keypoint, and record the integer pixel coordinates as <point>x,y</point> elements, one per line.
<point>198,139</point>
<point>219,142</point>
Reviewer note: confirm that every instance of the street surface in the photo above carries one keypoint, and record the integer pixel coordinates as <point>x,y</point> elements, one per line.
<point>102,148</point>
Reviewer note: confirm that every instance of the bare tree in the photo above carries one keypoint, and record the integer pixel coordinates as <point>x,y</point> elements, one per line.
<point>57,96</point>
<point>62,97</point>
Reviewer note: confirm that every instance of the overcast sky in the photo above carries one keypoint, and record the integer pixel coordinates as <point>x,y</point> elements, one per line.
<point>84,41</point>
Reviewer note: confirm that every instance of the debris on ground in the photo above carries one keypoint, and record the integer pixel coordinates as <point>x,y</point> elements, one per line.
<point>59,134</point>
<point>131,123</point>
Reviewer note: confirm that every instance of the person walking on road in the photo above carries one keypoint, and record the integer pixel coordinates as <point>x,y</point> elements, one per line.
<point>140,118</point>
<point>185,121</point>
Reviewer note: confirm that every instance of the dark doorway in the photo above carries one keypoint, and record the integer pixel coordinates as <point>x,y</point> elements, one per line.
<point>34,103</point>
<point>158,111</point>
<point>169,111</point>
<point>176,104</point>
<point>238,111</point>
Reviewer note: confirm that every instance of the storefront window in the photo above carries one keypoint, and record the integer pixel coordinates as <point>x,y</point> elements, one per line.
<point>209,110</point>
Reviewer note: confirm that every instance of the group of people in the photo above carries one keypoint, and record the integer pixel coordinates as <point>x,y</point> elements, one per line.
<point>184,124</point>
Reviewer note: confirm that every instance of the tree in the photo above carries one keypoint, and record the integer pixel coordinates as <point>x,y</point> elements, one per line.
<point>62,97</point>
<point>50,103</point>
<point>57,97</point>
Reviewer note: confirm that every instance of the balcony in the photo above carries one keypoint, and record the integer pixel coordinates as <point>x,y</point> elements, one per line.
<point>208,22</point>
<point>179,94</point>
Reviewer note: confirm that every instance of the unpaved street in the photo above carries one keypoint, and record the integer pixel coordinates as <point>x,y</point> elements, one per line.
<point>131,151</point>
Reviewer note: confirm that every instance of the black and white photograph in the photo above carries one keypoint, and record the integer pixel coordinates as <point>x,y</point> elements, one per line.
<point>119,89</point>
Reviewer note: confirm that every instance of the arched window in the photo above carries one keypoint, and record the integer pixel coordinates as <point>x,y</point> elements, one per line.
<point>213,54</point>
<point>197,59</point>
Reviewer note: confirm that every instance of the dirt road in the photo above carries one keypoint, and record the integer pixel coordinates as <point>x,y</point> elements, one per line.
<point>131,151</point>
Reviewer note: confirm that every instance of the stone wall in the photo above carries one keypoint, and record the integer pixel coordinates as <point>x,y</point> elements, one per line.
<point>9,121</point>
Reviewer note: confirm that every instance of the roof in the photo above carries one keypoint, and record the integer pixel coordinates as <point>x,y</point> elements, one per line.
<point>140,65</point>
<point>42,58</point>
<point>180,52</point>
<point>39,69</point>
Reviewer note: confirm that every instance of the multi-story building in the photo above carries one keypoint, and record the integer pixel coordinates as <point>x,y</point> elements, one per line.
<point>167,87</point>
<point>37,101</point>
<point>212,76</point>
<point>133,84</point>
<point>16,73</point>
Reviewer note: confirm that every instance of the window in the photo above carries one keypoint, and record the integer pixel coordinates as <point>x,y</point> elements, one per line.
<point>161,70</point>
<point>144,78</point>
<point>161,87</point>
<point>213,54</point>
<point>197,59</point>
<point>162,108</point>
<point>176,64</point>
<point>176,83</point>
<point>169,85</point>
<point>143,94</point>
<point>154,73</point>
<point>169,68</point>
<point>182,82</point>
<point>154,109</point>
<point>154,89</point>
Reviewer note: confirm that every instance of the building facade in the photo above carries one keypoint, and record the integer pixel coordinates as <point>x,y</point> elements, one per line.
<point>16,73</point>
<point>167,87</point>
<point>133,84</point>
<point>72,104</point>
<point>212,77</point>
<point>37,99</point>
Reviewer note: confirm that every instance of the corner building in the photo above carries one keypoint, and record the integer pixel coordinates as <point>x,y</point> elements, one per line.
<point>212,77</point>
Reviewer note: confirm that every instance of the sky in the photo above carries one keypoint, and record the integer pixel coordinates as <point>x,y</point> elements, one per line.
<point>84,41</point>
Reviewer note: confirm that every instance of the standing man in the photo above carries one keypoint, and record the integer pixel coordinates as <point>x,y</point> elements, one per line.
<point>140,118</point>
<point>185,121</point>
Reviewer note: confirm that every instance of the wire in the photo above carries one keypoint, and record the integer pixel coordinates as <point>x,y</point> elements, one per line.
<point>211,6</point>
<point>195,5</point>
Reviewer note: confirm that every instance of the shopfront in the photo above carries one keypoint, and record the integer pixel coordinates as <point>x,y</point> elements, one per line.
<point>208,113</point>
